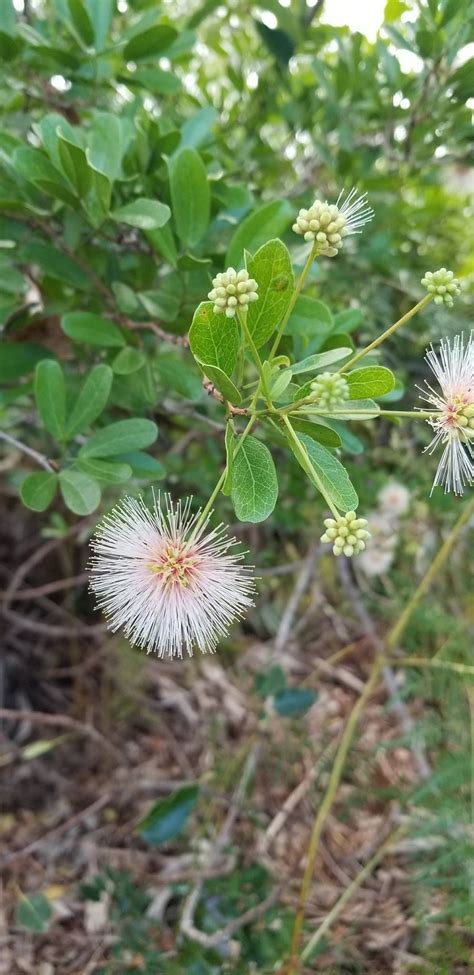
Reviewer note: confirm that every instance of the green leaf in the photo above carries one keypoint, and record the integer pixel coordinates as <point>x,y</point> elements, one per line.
<point>55,264</point>
<point>83,326</point>
<point>143,465</point>
<point>319,361</point>
<point>149,43</point>
<point>347,320</point>
<point>120,437</point>
<point>337,340</point>
<point>81,21</point>
<point>101,13</point>
<point>310,317</point>
<point>7,16</point>
<point>230,441</point>
<point>33,912</point>
<point>280,384</point>
<point>155,80</point>
<point>349,441</point>
<point>267,221</point>
<point>91,400</point>
<point>369,382</point>
<point>105,471</point>
<point>81,494</point>
<point>168,816</point>
<point>17,359</point>
<point>142,213</point>
<point>221,382</point>
<point>214,342</point>
<point>35,167</point>
<point>293,701</point>
<point>163,243</point>
<point>38,490</point>
<point>332,475</point>
<point>50,395</point>
<point>272,270</point>
<point>190,196</point>
<point>75,166</point>
<point>269,682</point>
<point>128,360</point>
<point>359,409</point>
<point>254,482</point>
<point>322,434</point>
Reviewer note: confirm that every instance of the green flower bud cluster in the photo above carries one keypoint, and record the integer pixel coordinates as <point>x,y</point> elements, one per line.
<point>347,534</point>
<point>329,390</point>
<point>443,285</point>
<point>465,420</point>
<point>232,290</point>
<point>323,223</point>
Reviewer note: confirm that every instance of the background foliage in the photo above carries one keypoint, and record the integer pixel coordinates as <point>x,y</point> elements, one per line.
<point>141,150</point>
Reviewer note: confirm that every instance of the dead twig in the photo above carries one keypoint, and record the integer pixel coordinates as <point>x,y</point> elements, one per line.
<point>63,721</point>
<point>299,590</point>
<point>72,821</point>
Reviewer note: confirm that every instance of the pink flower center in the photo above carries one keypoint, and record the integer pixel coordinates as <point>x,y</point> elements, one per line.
<point>175,565</point>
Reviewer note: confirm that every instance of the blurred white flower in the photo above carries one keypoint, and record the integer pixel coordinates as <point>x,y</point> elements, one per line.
<point>375,560</point>
<point>394,498</point>
<point>327,224</point>
<point>171,587</point>
<point>454,426</point>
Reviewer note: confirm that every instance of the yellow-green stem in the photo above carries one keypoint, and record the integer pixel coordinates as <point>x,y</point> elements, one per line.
<point>385,335</point>
<point>339,762</point>
<point>258,362</point>
<point>301,280</point>
<point>304,461</point>
<point>350,891</point>
<point>434,663</point>
<point>439,559</point>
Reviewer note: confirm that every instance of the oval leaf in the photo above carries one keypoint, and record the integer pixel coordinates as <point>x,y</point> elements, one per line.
<point>332,475</point>
<point>267,221</point>
<point>272,270</point>
<point>254,482</point>
<point>50,395</point>
<point>38,490</point>
<point>81,494</point>
<point>83,326</point>
<point>142,213</point>
<point>149,42</point>
<point>91,400</point>
<point>168,817</point>
<point>190,196</point>
<point>369,382</point>
<point>319,361</point>
<point>214,339</point>
<point>120,437</point>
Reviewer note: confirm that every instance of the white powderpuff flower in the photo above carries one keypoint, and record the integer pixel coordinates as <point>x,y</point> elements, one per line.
<point>170,583</point>
<point>326,224</point>
<point>394,499</point>
<point>453,367</point>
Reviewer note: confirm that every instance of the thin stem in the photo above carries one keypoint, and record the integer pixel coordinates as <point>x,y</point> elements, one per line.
<point>350,891</point>
<point>39,458</point>
<point>305,463</point>
<point>434,663</point>
<point>293,299</point>
<point>385,335</point>
<point>258,362</point>
<point>439,559</point>
<point>339,762</point>
<point>333,785</point>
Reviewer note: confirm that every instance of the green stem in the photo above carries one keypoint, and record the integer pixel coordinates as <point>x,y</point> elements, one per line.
<point>349,731</point>
<point>304,461</point>
<point>385,335</point>
<point>350,891</point>
<point>436,664</point>
<point>258,362</point>
<point>293,299</point>
<point>425,583</point>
